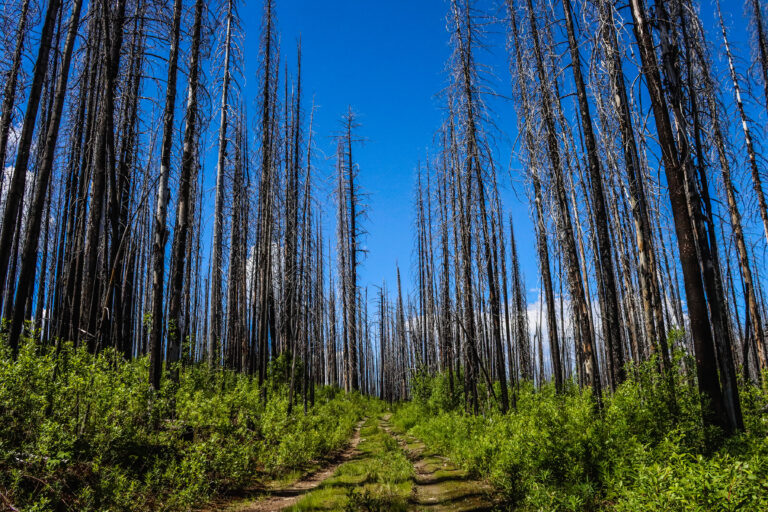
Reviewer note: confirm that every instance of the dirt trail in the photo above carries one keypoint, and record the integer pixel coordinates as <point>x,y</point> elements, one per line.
<point>438,484</point>
<point>283,497</point>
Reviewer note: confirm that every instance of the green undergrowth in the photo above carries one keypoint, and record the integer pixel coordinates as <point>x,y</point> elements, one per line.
<point>379,478</point>
<point>645,451</point>
<point>82,432</point>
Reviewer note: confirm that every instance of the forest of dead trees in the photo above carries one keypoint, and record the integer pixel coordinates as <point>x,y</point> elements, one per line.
<point>638,136</point>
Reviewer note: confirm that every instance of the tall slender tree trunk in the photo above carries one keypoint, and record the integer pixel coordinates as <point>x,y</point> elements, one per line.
<point>739,241</point>
<point>215,326</point>
<point>565,227</point>
<point>705,223</point>
<point>90,294</point>
<point>713,408</point>
<point>161,213</point>
<point>352,283</point>
<point>181,244</point>
<point>540,228</point>
<point>652,304</point>
<point>605,273</point>
<point>263,286</point>
<point>757,183</point>
<point>9,91</point>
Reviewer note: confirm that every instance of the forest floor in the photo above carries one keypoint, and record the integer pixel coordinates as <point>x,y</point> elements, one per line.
<point>381,469</point>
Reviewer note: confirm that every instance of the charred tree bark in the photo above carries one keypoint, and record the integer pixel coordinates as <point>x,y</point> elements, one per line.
<point>215,326</point>
<point>652,303</point>
<point>161,214</point>
<point>86,309</point>
<point>605,272</point>
<point>713,408</point>
<point>181,245</point>
<point>565,227</point>
<point>9,91</point>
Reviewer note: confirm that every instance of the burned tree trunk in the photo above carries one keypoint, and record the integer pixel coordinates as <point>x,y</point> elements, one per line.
<point>85,311</point>
<point>262,299</point>
<point>565,227</point>
<point>652,304</point>
<point>180,246</point>
<point>15,194</point>
<point>215,326</point>
<point>713,407</point>
<point>161,205</point>
<point>9,91</point>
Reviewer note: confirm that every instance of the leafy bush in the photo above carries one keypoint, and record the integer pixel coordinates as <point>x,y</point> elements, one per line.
<point>645,450</point>
<point>84,432</point>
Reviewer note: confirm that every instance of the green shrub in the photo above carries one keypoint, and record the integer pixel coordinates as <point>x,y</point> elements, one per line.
<point>84,432</point>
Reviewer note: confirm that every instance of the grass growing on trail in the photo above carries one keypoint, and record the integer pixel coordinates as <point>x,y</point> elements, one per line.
<point>439,484</point>
<point>84,432</point>
<point>379,478</point>
<point>645,452</point>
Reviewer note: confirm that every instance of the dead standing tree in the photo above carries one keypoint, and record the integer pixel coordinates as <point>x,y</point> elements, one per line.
<point>262,301</point>
<point>10,89</point>
<point>675,158</point>
<point>15,193</point>
<point>526,116</point>
<point>41,191</point>
<point>474,172</point>
<point>350,211</point>
<point>161,204</point>
<point>216,301</point>
<point>605,269</point>
<point>647,262</point>
<point>86,309</point>
<point>181,246</point>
